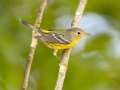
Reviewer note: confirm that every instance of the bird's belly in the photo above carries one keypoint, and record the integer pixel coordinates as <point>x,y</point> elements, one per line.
<point>60,46</point>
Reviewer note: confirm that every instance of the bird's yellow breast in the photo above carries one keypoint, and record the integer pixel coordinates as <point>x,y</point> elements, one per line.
<point>63,46</point>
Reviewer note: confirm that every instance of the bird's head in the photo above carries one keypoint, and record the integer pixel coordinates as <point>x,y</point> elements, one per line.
<point>76,33</point>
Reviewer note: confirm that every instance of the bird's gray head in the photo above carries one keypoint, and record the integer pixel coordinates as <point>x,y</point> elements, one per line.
<point>75,33</point>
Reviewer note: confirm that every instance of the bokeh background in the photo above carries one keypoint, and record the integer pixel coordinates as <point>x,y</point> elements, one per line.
<point>94,62</point>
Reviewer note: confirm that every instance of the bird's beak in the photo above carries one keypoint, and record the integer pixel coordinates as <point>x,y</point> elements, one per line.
<point>85,33</point>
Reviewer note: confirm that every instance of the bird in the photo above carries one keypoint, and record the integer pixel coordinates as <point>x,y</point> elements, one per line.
<point>57,39</point>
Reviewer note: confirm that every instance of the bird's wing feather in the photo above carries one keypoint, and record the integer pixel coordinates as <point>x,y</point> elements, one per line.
<point>54,37</point>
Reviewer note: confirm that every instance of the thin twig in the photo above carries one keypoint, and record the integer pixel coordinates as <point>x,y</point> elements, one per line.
<point>66,52</point>
<point>33,45</point>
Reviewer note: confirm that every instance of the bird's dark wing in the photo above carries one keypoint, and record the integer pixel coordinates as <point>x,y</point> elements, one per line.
<point>53,37</point>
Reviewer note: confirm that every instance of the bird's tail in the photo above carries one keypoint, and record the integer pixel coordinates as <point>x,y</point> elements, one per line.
<point>24,22</point>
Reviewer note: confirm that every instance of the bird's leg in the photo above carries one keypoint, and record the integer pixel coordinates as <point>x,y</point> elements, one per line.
<point>55,52</point>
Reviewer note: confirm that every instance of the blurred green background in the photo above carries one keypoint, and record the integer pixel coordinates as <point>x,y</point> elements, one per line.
<point>94,62</point>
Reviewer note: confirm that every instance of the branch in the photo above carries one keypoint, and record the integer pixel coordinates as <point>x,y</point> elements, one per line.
<point>66,52</point>
<point>33,45</point>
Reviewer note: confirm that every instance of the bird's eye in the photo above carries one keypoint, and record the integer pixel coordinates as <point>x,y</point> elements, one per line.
<point>78,32</point>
